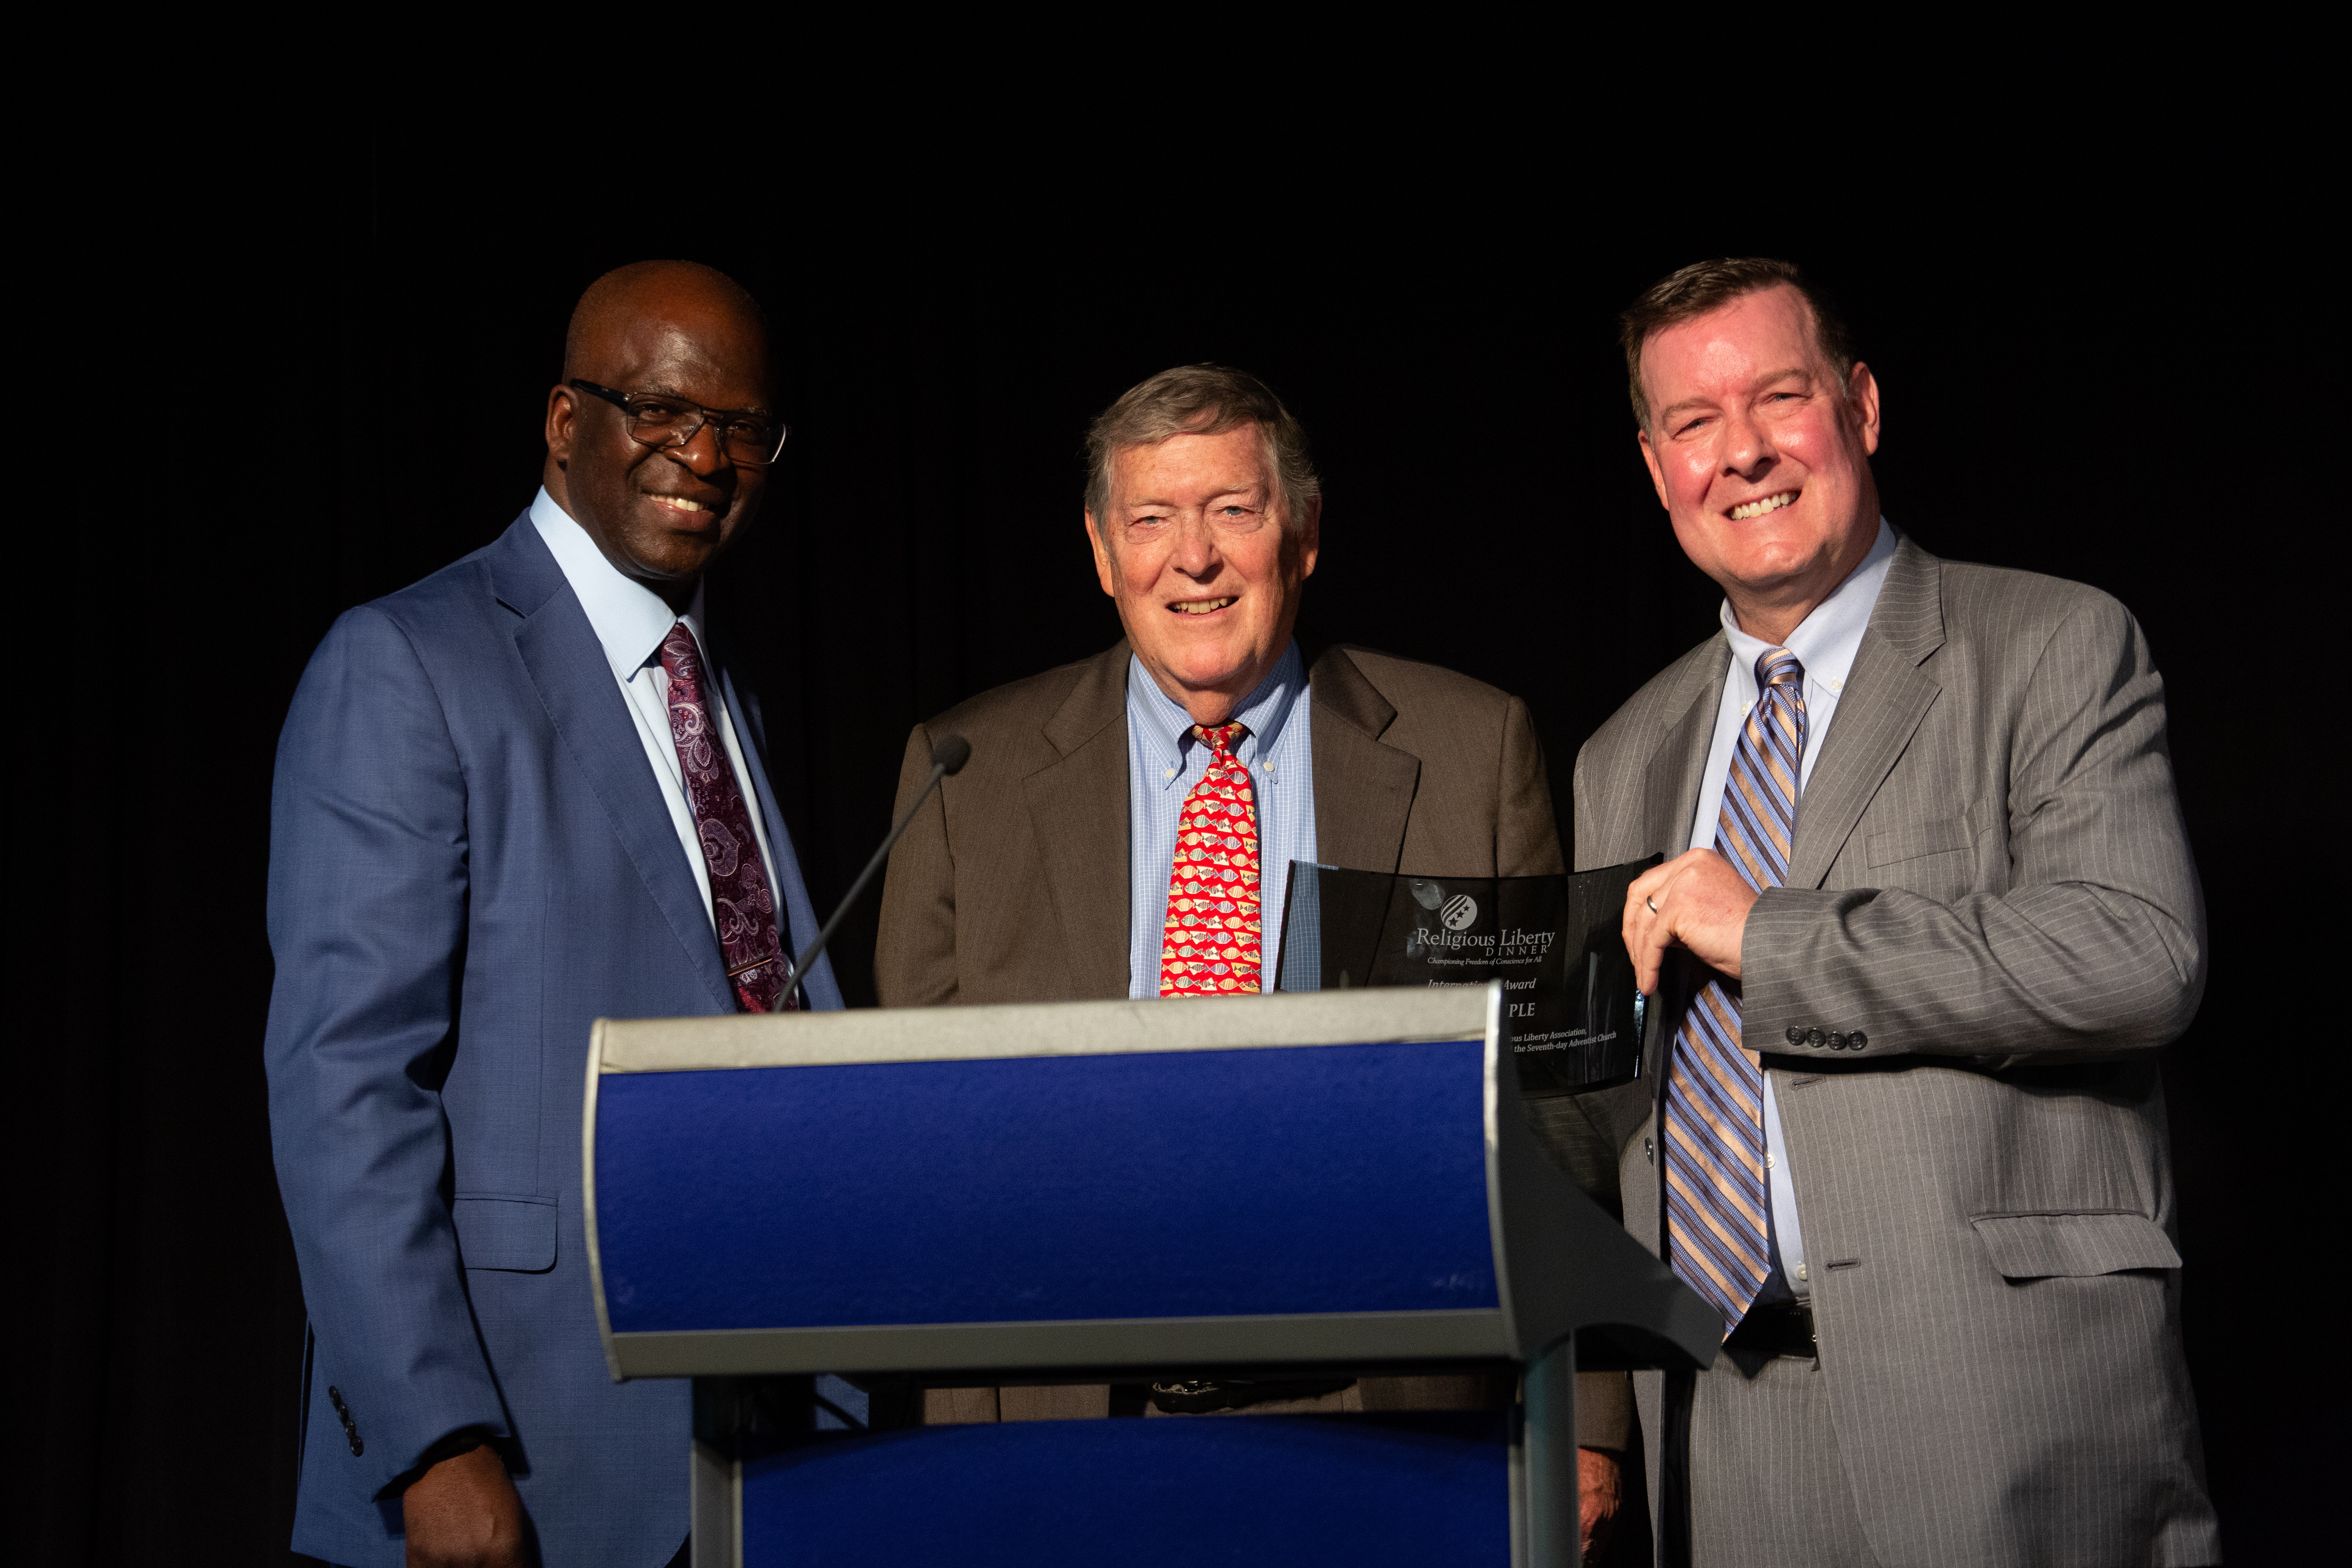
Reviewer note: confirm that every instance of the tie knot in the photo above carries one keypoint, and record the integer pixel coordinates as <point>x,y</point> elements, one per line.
<point>1222,738</point>
<point>679,656</point>
<point>1779,667</point>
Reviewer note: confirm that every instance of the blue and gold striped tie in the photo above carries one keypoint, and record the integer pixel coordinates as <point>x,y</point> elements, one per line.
<point>1716,1233</point>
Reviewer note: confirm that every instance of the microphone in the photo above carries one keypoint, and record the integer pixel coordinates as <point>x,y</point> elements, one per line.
<point>948,756</point>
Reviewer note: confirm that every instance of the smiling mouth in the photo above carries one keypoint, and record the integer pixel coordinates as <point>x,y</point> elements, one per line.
<point>1202,607</point>
<point>678,504</point>
<point>1755,509</point>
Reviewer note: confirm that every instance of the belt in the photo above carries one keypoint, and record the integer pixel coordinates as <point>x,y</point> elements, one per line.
<point>1777,1328</point>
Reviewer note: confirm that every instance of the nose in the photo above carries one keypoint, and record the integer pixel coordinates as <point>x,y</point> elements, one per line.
<point>1195,551</point>
<point>1747,450</point>
<point>700,454</point>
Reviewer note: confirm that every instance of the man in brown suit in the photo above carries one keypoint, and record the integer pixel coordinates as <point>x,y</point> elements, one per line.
<point>1042,871</point>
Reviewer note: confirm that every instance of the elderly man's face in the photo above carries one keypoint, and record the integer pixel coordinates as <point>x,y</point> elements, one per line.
<point>661,515</point>
<point>1207,579</point>
<point>1762,465</point>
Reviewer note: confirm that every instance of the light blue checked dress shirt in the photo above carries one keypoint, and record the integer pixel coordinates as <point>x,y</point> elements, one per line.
<point>1165,760</point>
<point>1825,644</point>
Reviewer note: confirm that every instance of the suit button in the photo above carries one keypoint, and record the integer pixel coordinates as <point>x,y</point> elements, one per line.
<point>1837,1042</point>
<point>1858,1039</point>
<point>1815,1037</point>
<point>1649,1152</point>
<point>1796,1036</point>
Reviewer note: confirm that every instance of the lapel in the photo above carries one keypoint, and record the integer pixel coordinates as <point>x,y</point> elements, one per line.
<point>1885,697</point>
<point>800,924</point>
<point>1669,795</point>
<point>1077,810</point>
<point>1670,781</point>
<point>1363,789</point>
<point>565,662</point>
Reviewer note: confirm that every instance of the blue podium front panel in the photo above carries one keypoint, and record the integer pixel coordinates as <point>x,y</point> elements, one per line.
<point>1423,1489</point>
<point>1290,1180</point>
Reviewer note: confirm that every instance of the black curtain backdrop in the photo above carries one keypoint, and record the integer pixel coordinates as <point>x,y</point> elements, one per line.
<point>2085,375</point>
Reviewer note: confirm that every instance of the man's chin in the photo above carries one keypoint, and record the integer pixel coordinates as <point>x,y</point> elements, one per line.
<point>1231,675</point>
<point>677,559</point>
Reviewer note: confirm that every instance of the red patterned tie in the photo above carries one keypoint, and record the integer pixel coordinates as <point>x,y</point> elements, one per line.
<point>1212,942</point>
<point>740,897</point>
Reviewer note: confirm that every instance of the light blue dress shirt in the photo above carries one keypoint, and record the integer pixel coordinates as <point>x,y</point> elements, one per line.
<point>630,620</point>
<point>1825,644</point>
<point>1165,760</point>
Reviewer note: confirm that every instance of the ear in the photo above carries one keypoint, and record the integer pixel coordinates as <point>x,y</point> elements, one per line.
<point>562,416</point>
<point>1650,456</point>
<point>1105,570</point>
<point>1311,538</point>
<point>1862,400</point>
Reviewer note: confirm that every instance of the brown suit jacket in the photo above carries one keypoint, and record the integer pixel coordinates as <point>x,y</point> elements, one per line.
<point>1012,885</point>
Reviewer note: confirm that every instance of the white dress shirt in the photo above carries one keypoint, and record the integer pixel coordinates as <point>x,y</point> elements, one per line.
<point>1165,760</point>
<point>1825,644</point>
<point>631,620</point>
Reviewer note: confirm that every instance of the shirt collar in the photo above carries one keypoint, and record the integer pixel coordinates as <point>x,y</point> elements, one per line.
<point>1826,641</point>
<point>1164,726</point>
<point>629,619</point>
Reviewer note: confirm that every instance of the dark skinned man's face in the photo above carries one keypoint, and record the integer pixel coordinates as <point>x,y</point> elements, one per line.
<point>661,515</point>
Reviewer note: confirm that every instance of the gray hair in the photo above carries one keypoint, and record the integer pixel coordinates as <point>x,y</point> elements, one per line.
<point>1202,400</point>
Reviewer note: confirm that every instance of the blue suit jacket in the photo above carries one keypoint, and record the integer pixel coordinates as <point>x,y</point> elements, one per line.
<point>471,860</point>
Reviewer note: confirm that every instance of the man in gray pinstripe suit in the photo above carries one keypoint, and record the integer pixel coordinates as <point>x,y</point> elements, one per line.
<point>1928,914</point>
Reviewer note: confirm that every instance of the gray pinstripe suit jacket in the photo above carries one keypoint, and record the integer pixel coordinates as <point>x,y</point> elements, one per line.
<point>1991,882</point>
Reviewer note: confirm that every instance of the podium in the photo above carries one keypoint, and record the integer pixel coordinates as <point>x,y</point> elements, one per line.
<point>799,1211</point>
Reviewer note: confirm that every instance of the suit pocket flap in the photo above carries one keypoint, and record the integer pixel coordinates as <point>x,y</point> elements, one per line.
<point>2045,1246</point>
<point>1914,839</point>
<point>506,1233</point>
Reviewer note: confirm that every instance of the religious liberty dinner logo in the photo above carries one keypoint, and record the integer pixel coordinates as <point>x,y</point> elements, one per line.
<point>1455,914</point>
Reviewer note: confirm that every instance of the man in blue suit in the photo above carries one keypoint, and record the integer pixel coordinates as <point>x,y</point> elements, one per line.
<point>523,794</point>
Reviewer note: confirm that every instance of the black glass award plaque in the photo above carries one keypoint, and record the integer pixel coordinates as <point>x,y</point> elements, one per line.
<point>1572,1017</point>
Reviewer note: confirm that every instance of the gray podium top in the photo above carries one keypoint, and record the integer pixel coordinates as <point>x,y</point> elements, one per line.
<point>1333,1179</point>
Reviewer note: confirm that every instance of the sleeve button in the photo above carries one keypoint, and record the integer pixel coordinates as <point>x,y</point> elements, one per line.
<point>1796,1036</point>
<point>1858,1039</point>
<point>1815,1037</point>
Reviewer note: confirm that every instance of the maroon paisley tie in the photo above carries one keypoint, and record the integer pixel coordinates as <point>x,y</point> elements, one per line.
<point>740,899</point>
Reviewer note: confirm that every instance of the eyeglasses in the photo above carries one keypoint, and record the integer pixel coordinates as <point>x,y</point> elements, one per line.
<point>658,421</point>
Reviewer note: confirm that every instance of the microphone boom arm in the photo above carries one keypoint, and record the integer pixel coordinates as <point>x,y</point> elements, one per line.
<point>947,757</point>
